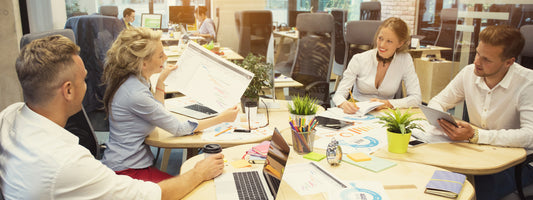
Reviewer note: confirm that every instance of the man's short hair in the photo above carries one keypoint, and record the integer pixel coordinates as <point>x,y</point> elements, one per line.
<point>127,12</point>
<point>44,65</point>
<point>503,35</point>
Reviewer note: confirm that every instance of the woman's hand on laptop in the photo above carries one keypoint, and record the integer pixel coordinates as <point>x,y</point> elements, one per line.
<point>210,167</point>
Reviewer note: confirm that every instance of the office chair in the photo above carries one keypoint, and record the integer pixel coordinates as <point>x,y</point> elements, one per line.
<point>370,10</point>
<point>111,11</point>
<point>526,57</point>
<point>95,34</point>
<point>314,56</point>
<point>78,124</point>
<point>447,32</point>
<point>254,28</point>
<point>340,16</point>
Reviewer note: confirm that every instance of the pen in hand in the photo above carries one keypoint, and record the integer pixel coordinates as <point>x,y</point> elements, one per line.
<point>352,99</point>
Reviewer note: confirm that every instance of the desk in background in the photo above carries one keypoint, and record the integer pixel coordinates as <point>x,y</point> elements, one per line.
<point>434,76</point>
<point>423,52</point>
<point>404,173</point>
<point>282,35</point>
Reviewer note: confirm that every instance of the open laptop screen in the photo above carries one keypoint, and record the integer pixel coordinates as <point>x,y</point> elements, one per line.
<point>277,156</point>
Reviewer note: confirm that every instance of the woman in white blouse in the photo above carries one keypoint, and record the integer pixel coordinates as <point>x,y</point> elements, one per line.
<point>377,74</point>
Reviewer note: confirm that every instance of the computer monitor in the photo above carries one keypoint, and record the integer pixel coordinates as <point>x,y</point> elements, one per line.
<point>152,21</point>
<point>181,14</point>
<point>292,17</point>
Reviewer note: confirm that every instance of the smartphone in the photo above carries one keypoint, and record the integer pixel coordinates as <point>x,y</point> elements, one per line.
<point>332,123</point>
<point>415,142</point>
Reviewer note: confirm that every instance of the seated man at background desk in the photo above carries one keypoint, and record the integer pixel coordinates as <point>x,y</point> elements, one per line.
<point>41,160</point>
<point>499,98</point>
<point>128,16</point>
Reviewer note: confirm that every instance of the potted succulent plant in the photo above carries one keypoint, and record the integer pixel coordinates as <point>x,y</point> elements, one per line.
<point>399,128</point>
<point>262,70</point>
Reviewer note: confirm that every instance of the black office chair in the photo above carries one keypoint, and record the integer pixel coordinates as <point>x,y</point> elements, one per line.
<point>254,28</point>
<point>78,124</point>
<point>359,37</point>
<point>526,57</point>
<point>370,10</point>
<point>447,32</point>
<point>314,56</point>
<point>95,34</point>
<point>340,16</point>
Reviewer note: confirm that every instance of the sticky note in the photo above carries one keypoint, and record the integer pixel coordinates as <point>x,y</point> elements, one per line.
<point>240,164</point>
<point>314,156</point>
<point>359,156</point>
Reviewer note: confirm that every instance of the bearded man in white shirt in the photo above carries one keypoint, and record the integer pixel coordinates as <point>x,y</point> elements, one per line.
<point>39,159</point>
<point>499,98</point>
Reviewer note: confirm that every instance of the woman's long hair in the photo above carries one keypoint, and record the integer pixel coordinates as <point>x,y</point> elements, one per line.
<point>125,58</point>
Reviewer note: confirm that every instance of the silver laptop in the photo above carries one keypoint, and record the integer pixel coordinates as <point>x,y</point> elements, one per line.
<point>257,184</point>
<point>196,111</point>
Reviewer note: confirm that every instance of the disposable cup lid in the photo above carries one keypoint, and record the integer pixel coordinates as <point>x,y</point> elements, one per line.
<point>212,148</point>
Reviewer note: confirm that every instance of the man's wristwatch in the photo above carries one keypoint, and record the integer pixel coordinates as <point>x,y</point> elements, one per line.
<point>474,137</point>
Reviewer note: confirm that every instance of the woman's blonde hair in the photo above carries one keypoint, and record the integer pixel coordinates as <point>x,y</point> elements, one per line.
<point>125,58</point>
<point>400,28</point>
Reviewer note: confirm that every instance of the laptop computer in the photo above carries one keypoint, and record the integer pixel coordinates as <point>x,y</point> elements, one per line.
<point>196,111</point>
<point>256,184</point>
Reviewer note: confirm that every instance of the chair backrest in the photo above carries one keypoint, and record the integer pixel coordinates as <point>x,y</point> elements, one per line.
<point>78,124</point>
<point>447,32</point>
<point>32,36</point>
<point>254,28</point>
<point>111,11</point>
<point>340,16</point>
<point>526,57</point>
<point>314,55</point>
<point>359,33</point>
<point>94,34</point>
<point>370,10</point>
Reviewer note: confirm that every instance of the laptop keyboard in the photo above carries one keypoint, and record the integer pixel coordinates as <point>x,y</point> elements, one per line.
<point>201,108</point>
<point>249,186</point>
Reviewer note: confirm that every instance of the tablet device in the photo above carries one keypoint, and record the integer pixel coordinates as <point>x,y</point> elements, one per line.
<point>433,115</point>
<point>331,123</point>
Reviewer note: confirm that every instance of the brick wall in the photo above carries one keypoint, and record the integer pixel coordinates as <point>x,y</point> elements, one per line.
<point>403,9</point>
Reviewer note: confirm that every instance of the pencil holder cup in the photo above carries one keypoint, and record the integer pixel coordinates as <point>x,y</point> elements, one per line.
<point>302,142</point>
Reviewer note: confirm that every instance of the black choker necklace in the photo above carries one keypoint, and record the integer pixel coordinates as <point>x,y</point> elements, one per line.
<point>384,60</point>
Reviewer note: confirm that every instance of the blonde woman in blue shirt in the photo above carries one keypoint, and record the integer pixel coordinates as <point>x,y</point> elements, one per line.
<point>376,74</point>
<point>134,111</point>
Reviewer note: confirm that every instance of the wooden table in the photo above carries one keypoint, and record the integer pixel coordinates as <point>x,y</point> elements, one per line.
<point>466,158</point>
<point>280,83</point>
<point>434,76</point>
<point>403,174</point>
<point>160,138</point>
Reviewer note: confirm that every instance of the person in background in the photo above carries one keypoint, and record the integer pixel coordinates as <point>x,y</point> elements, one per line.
<point>499,99</point>
<point>377,74</point>
<point>41,160</point>
<point>128,16</point>
<point>134,111</point>
<point>207,26</point>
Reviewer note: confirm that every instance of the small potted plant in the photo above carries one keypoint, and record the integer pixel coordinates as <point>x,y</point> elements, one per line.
<point>399,128</point>
<point>303,108</point>
<point>262,70</point>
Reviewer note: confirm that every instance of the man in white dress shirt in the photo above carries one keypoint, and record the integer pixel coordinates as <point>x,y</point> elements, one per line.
<point>499,98</point>
<point>39,159</point>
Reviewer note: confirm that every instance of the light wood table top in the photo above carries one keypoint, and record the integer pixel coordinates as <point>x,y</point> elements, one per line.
<point>411,176</point>
<point>428,50</point>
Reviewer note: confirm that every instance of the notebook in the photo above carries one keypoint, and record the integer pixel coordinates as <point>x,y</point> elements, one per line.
<point>262,184</point>
<point>445,183</point>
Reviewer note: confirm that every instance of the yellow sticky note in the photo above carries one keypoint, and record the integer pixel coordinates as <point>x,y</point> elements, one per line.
<point>240,164</point>
<point>358,157</point>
